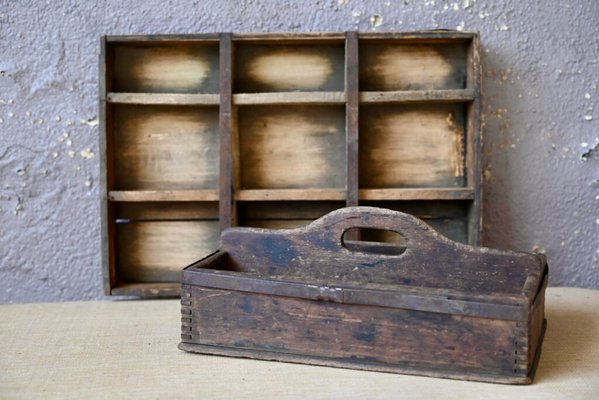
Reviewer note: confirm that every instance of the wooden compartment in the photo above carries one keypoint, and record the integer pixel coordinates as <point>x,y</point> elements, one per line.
<point>412,145</point>
<point>293,66</point>
<point>165,147</point>
<point>276,130</point>
<point>154,239</point>
<point>176,67</point>
<point>283,214</point>
<point>413,65</point>
<point>291,147</point>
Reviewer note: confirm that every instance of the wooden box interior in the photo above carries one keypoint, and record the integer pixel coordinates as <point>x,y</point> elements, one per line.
<point>204,132</point>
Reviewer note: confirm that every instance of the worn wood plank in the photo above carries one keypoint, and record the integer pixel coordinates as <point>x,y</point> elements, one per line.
<point>416,96</point>
<point>164,39</point>
<point>274,223</point>
<point>291,37</point>
<point>165,147</point>
<point>163,195</point>
<point>226,126</point>
<point>106,177</point>
<point>399,66</point>
<point>412,146</point>
<point>417,194</point>
<point>163,98</point>
<point>278,68</point>
<point>289,194</point>
<point>289,147</point>
<point>536,325</point>
<point>286,210</point>
<point>147,290</point>
<point>158,251</point>
<point>474,142</point>
<point>316,253</point>
<point>352,79</point>
<point>428,36</point>
<point>166,211</point>
<point>314,98</point>
<point>341,331</point>
<point>160,68</point>
<point>354,364</point>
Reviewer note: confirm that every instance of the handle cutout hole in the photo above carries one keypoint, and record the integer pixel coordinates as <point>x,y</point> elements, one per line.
<point>375,241</point>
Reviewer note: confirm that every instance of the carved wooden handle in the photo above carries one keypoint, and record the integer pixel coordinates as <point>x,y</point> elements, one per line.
<point>416,232</point>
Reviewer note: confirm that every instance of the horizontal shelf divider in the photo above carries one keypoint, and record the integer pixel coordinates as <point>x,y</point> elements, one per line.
<point>417,194</point>
<point>163,98</point>
<point>289,194</point>
<point>406,96</point>
<point>163,195</point>
<point>289,98</point>
<point>158,289</point>
<point>152,39</point>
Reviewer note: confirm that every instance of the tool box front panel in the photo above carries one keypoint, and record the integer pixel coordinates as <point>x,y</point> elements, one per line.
<point>363,334</point>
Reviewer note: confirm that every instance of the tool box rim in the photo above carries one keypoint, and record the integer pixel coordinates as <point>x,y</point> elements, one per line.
<point>495,305</point>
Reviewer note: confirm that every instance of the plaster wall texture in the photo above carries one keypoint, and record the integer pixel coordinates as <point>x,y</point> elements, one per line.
<point>540,108</point>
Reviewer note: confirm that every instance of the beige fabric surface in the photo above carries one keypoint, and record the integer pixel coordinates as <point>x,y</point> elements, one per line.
<point>128,349</point>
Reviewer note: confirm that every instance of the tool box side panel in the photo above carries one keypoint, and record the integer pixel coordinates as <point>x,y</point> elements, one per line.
<point>537,327</point>
<point>363,335</point>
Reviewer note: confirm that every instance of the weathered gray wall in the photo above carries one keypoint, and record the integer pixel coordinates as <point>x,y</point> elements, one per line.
<point>540,107</point>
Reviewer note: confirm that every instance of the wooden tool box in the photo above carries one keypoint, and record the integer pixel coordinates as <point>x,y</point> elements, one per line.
<point>430,306</point>
<point>203,132</point>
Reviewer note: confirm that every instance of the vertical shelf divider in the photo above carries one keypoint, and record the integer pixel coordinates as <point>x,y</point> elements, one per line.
<point>352,107</point>
<point>351,116</point>
<point>226,202</point>
<point>474,144</point>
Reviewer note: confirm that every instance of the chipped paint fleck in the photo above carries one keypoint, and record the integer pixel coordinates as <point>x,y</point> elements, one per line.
<point>376,21</point>
<point>87,153</point>
<point>588,117</point>
<point>90,121</point>
<point>468,3</point>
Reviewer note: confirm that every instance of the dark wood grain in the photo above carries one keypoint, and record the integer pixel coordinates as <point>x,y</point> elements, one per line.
<point>378,335</point>
<point>106,171</point>
<point>351,116</point>
<point>474,143</point>
<point>436,308</point>
<point>289,158</point>
<point>317,252</point>
<point>227,208</point>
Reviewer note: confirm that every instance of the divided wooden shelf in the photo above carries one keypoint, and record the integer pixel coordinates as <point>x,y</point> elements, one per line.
<point>203,132</point>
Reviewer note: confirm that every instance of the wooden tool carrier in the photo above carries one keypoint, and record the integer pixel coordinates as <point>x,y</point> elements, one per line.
<point>430,306</point>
